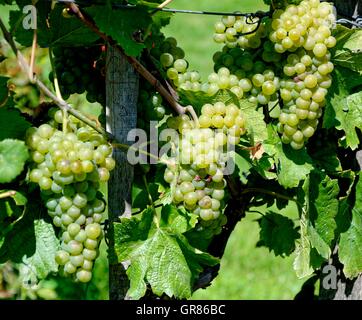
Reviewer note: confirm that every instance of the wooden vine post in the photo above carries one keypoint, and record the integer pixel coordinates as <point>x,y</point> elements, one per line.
<point>121,113</point>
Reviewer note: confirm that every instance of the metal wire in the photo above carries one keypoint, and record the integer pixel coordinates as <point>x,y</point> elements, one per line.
<point>357,22</point>
<point>258,14</point>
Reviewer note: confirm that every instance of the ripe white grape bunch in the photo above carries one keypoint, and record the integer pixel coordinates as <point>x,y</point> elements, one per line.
<point>172,60</point>
<point>243,32</point>
<point>293,69</point>
<point>68,167</point>
<point>304,33</point>
<point>197,170</point>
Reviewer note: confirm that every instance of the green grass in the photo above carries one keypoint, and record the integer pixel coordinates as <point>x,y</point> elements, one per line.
<point>246,272</point>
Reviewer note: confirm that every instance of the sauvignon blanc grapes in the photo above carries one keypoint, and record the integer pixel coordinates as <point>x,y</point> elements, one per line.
<point>69,167</point>
<point>197,170</point>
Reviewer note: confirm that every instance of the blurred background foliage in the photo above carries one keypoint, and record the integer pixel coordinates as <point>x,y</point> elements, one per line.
<point>247,272</point>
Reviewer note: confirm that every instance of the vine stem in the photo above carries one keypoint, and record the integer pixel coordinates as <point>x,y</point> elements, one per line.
<point>135,64</point>
<point>42,87</point>
<point>57,90</point>
<point>272,193</point>
<point>7,194</point>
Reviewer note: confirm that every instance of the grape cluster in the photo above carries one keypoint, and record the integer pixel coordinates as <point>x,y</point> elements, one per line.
<point>69,168</point>
<point>149,106</point>
<point>80,69</point>
<point>171,58</point>
<point>307,67</point>
<point>306,25</point>
<point>292,68</point>
<point>242,32</point>
<point>197,171</point>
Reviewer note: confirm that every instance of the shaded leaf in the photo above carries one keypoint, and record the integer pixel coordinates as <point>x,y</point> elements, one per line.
<point>13,154</point>
<point>12,124</point>
<point>277,233</point>
<point>121,25</point>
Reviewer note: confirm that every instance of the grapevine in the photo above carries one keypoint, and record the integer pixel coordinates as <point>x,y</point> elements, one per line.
<point>275,122</point>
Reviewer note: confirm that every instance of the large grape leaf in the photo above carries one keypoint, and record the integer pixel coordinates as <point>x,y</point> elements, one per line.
<point>277,233</point>
<point>121,25</point>
<point>13,154</point>
<point>53,28</point>
<point>318,201</point>
<point>323,206</point>
<point>344,107</point>
<point>12,124</point>
<point>159,254</point>
<point>32,241</point>
<point>350,243</point>
<point>347,53</point>
<point>293,166</point>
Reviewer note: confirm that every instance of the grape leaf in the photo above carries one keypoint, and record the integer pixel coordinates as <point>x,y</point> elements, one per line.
<point>32,241</point>
<point>255,124</point>
<point>46,246</point>
<point>350,242</point>
<point>13,154</point>
<point>344,108</point>
<point>277,233</point>
<point>243,164</point>
<point>319,205</point>
<point>159,254</point>
<point>55,31</point>
<point>323,205</point>
<point>121,25</point>
<point>347,52</point>
<point>302,260</point>
<point>293,166</point>
<point>12,124</point>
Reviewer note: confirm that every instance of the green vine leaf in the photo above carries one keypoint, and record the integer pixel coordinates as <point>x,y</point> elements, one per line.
<point>350,242</point>
<point>32,241</point>
<point>293,166</point>
<point>344,108</point>
<point>159,255</point>
<point>347,53</point>
<point>123,31</point>
<point>53,28</point>
<point>13,154</point>
<point>277,233</point>
<point>12,124</point>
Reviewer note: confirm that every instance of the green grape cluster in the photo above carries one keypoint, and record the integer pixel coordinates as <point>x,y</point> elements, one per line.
<point>306,70</point>
<point>292,68</point>
<point>307,25</point>
<point>69,167</point>
<point>150,106</point>
<point>171,58</point>
<point>80,69</point>
<point>243,32</point>
<point>197,171</point>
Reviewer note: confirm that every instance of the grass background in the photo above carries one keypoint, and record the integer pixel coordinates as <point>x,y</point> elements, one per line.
<point>246,272</point>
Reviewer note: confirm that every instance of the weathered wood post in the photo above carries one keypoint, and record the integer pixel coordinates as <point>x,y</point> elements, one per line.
<point>121,113</point>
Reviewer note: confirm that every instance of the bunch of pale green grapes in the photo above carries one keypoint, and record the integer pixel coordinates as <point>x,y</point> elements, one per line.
<point>303,95</point>
<point>230,31</point>
<point>306,25</point>
<point>176,66</point>
<point>307,68</point>
<point>68,167</point>
<point>198,168</point>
